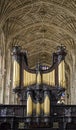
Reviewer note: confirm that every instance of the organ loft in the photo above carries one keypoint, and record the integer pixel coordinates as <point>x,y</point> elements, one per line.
<point>37,64</point>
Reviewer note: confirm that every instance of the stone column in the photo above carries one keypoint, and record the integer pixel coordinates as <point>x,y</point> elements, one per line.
<point>2,76</point>
<point>7,97</point>
<point>5,61</point>
<point>8,78</point>
<point>73,79</point>
<point>68,72</point>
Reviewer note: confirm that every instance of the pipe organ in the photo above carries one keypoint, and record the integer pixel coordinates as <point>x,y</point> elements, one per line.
<point>38,88</point>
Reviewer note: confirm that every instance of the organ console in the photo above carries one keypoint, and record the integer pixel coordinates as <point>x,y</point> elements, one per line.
<point>38,88</point>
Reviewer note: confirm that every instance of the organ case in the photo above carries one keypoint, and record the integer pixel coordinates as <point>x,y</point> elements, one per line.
<point>38,88</point>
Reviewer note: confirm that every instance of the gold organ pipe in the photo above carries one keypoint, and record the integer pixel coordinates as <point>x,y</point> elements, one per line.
<point>16,74</point>
<point>46,78</point>
<point>38,108</point>
<point>49,78</point>
<point>53,78</point>
<point>47,105</point>
<point>64,81</point>
<point>61,74</point>
<point>33,78</point>
<point>29,78</point>
<point>29,106</point>
<point>38,78</point>
<point>24,78</point>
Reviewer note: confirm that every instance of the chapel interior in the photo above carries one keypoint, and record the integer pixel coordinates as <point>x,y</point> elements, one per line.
<point>37,64</point>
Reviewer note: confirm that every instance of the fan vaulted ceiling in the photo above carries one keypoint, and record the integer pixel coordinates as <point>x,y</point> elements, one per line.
<point>39,26</point>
